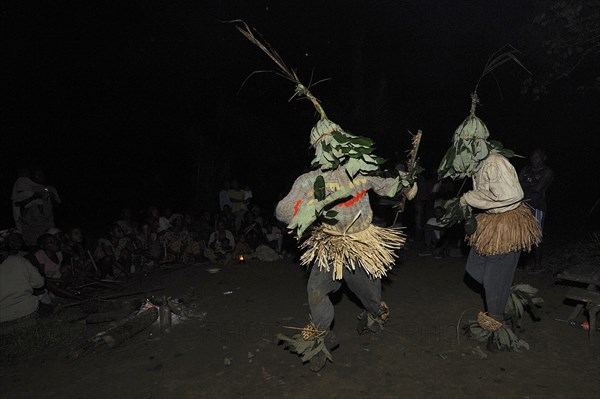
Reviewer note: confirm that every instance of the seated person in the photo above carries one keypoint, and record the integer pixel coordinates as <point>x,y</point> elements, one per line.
<point>242,249</point>
<point>75,253</point>
<point>48,257</point>
<point>15,242</point>
<point>195,250</point>
<point>227,217</point>
<point>19,306</point>
<point>146,247</point>
<point>177,241</point>
<point>252,230</point>
<point>266,254</point>
<point>220,245</point>
<point>152,219</point>
<point>434,231</point>
<point>189,223</point>
<point>113,254</point>
<point>127,223</point>
<point>204,226</point>
<point>273,236</point>
<point>49,262</point>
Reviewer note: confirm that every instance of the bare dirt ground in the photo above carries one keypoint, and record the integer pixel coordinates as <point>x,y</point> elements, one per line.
<point>232,352</point>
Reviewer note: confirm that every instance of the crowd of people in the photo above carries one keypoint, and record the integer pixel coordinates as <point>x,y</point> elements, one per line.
<point>36,249</point>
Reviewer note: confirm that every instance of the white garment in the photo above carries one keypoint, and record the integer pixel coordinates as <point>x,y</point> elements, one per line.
<point>275,235</point>
<point>496,187</point>
<point>18,278</point>
<point>433,222</point>
<point>266,253</point>
<point>163,224</point>
<point>214,239</point>
<point>224,199</point>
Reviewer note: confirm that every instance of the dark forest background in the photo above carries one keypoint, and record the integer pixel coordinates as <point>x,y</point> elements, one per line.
<point>138,103</point>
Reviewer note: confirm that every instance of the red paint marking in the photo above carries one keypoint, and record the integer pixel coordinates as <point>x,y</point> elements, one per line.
<point>354,199</point>
<point>297,206</point>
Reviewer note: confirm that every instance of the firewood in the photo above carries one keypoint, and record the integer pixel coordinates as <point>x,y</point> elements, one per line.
<point>115,336</point>
<point>104,317</point>
<point>135,324</point>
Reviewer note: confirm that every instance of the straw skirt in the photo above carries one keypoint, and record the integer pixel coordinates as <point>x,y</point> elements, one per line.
<point>501,233</point>
<point>372,249</point>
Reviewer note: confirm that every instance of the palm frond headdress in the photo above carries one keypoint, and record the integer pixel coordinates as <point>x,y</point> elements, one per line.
<point>470,144</point>
<point>333,146</point>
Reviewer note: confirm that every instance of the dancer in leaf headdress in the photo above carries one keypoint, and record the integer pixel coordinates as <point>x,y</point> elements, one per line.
<point>503,229</point>
<point>343,244</point>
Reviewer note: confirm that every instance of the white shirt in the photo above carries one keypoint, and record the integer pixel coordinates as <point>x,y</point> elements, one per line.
<point>18,278</point>
<point>496,187</point>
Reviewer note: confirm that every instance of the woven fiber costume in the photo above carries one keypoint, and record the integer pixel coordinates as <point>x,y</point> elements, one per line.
<point>499,233</point>
<point>344,245</point>
<point>333,200</point>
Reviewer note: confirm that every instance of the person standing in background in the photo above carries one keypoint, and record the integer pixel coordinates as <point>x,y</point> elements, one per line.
<point>535,178</point>
<point>33,203</point>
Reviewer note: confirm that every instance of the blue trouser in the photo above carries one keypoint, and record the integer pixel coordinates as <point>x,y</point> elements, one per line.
<point>321,284</point>
<point>495,273</point>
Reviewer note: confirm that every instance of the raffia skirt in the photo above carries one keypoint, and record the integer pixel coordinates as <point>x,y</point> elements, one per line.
<point>372,249</point>
<point>501,233</point>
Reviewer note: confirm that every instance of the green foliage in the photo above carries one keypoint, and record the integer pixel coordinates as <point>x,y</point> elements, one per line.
<point>505,340</point>
<point>309,213</point>
<point>470,147</point>
<point>565,43</point>
<point>306,349</point>
<point>522,297</point>
<point>501,340</point>
<point>335,147</point>
<point>319,188</point>
<point>456,213</point>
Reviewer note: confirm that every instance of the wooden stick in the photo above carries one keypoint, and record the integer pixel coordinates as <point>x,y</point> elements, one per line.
<point>131,293</point>
<point>93,261</point>
<point>108,298</point>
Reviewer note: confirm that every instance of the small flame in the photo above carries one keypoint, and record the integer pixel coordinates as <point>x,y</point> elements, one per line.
<point>241,258</point>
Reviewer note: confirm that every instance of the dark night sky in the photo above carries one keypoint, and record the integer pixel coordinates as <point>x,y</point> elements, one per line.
<point>118,101</point>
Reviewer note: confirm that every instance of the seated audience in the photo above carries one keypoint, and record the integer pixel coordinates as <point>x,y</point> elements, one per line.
<point>113,254</point>
<point>273,236</point>
<point>242,249</point>
<point>49,259</point>
<point>75,253</point>
<point>220,245</point>
<point>146,248</point>
<point>19,306</point>
<point>434,231</point>
<point>252,230</point>
<point>127,223</point>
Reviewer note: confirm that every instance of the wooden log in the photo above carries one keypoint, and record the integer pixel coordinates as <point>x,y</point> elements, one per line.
<point>115,336</point>
<point>121,333</point>
<point>579,294</point>
<point>104,317</point>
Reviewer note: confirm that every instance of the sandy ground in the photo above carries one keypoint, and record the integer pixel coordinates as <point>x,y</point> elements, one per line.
<point>232,352</point>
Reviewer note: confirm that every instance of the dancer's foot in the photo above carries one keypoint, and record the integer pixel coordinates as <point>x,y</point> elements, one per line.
<point>320,359</point>
<point>317,362</point>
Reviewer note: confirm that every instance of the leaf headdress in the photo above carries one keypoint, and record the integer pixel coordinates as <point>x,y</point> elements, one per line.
<point>470,144</point>
<point>333,146</point>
